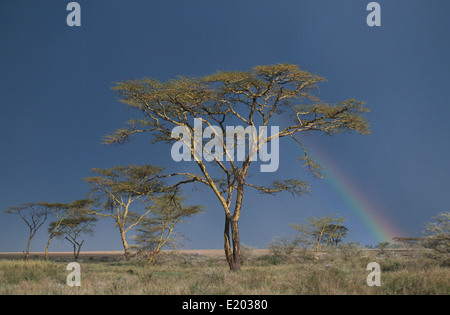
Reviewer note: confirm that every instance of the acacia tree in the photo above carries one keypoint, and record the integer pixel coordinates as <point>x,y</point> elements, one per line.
<point>407,242</point>
<point>249,98</point>
<point>383,246</point>
<point>337,234</point>
<point>157,231</point>
<point>61,211</point>
<point>72,226</point>
<point>319,233</point>
<point>114,190</point>
<point>437,233</point>
<point>34,215</point>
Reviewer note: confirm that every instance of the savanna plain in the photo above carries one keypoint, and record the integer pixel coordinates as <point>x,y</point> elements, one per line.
<point>336,272</point>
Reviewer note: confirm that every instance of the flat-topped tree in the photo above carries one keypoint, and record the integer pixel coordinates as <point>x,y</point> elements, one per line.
<point>319,233</point>
<point>249,98</point>
<point>77,223</point>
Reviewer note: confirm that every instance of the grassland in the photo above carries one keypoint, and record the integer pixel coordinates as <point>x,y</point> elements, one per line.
<point>338,272</point>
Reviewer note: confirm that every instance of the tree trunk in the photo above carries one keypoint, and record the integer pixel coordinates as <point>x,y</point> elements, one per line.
<point>27,253</point>
<point>79,250</point>
<point>74,252</point>
<point>46,247</point>
<point>153,256</point>
<point>233,256</point>
<point>125,244</point>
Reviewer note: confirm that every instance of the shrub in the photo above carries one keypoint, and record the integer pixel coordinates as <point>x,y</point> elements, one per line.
<point>247,253</point>
<point>282,247</point>
<point>350,250</point>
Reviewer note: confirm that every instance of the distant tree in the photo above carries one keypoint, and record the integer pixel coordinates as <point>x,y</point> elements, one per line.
<point>157,230</point>
<point>61,211</point>
<point>320,232</point>
<point>383,245</point>
<point>408,242</point>
<point>72,227</point>
<point>250,98</point>
<point>34,215</point>
<point>115,190</point>
<point>437,233</point>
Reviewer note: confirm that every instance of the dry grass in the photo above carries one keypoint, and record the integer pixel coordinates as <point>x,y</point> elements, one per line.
<point>186,273</point>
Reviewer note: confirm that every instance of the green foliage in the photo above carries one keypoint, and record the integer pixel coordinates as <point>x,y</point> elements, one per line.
<point>75,224</point>
<point>249,96</point>
<point>111,184</point>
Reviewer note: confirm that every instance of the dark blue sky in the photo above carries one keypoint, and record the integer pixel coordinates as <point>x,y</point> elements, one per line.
<point>56,102</point>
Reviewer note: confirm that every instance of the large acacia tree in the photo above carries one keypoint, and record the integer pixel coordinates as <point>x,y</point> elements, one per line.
<point>249,98</point>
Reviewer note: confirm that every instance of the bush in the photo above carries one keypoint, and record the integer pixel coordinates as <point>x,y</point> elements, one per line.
<point>247,253</point>
<point>282,247</point>
<point>273,260</point>
<point>392,265</point>
<point>350,250</point>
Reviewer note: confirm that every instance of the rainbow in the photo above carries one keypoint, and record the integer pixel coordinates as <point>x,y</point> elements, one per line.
<point>367,212</point>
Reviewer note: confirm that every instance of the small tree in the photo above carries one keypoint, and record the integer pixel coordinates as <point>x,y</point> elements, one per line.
<point>34,215</point>
<point>408,242</point>
<point>116,189</point>
<point>61,211</point>
<point>72,227</point>
<point>383,245</point>
<point>318,233</point>
<point>157,230</point>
